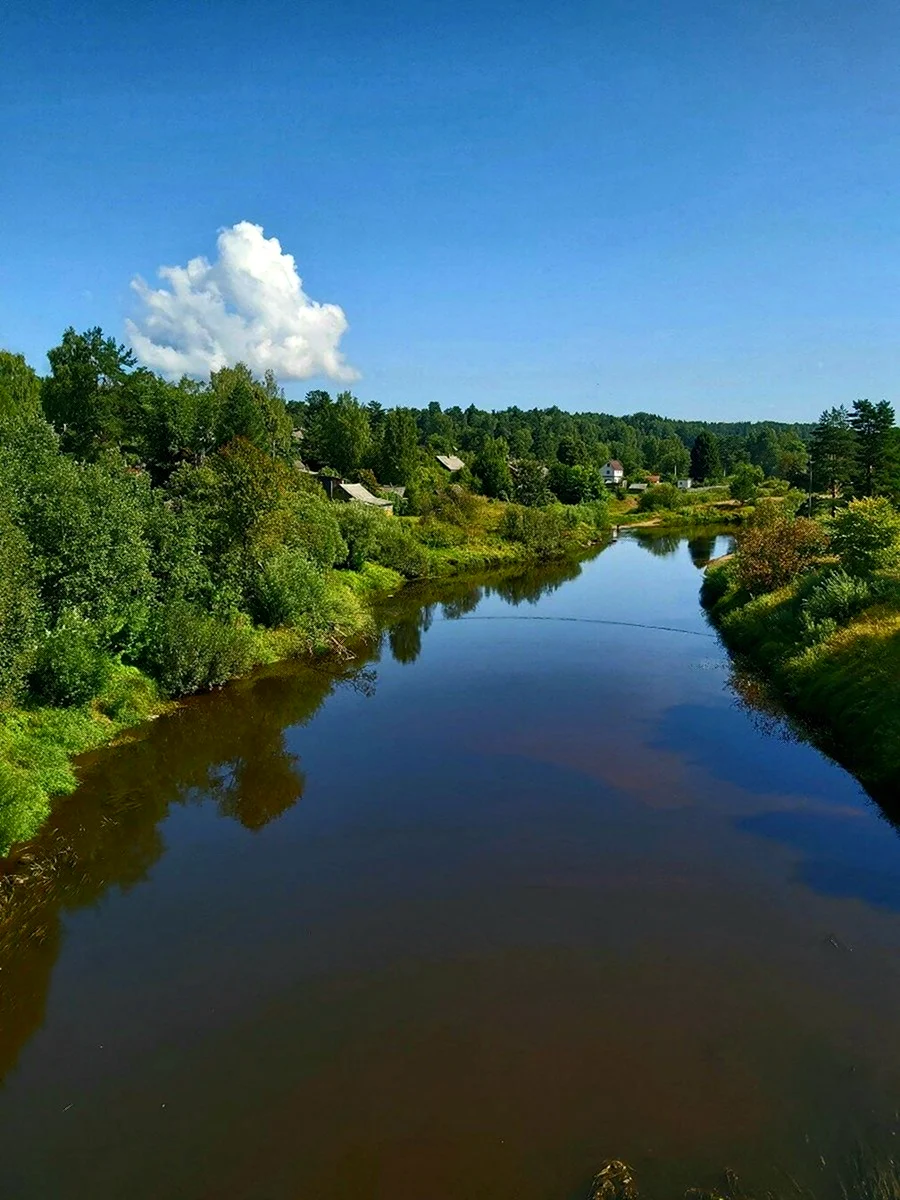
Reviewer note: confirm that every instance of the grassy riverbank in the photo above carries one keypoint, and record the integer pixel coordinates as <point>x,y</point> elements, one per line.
<point>828,641</point>
<point>38,742</point>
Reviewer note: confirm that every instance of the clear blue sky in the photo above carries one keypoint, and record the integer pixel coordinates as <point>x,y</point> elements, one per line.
<point>684,207</point>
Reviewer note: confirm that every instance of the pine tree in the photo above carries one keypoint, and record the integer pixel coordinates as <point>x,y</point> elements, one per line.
<point>833,452</point>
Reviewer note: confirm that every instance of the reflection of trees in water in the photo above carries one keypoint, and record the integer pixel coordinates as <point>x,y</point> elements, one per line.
<point>228,748</point>
<point>701,549</point>
<point>661,545</point>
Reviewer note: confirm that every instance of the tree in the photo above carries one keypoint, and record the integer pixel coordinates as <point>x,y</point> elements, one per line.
<point>576,485</point>
<point>744,485</point>
<point>775,548</point>
<point>340,435</point>
<point>20,387</point>
<point>82,398</point>
<point>674,460</point>
<point>492,468</point>
<point>250,409</point>
<point>832,452</point>
<point>866,535</point>
<point>873,425</point>
<point>706,459</point>
<point>399,454</point>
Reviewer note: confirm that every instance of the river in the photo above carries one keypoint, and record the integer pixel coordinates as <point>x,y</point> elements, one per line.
<point>528,886</point>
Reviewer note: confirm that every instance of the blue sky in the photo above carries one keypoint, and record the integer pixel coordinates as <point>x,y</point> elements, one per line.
<point>687,208</point>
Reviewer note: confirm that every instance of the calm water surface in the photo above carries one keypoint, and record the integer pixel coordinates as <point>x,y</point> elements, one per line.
<point>527,888</point>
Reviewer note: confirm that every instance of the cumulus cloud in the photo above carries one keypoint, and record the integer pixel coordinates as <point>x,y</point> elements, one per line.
<point>247,306</point>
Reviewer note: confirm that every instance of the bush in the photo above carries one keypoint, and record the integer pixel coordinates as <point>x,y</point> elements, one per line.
<point>69,665</point>
<point>775,548</point>
<point>290,590</point>
<point>189,650</point>
<point>399,549</point>
<point>718,580</point>
<point>360,528</point>
<point>866,535</point>
<point>838,595</point>
<point>662,496</point>
<point>540,530</point>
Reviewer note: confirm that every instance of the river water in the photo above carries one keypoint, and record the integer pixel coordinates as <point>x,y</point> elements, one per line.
<point>530,886</point>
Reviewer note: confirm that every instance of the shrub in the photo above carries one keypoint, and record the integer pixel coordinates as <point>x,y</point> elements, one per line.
<point>290,590</point>
<point>188,650</point>
<point>399,549</point>
<point>540,530</point>
<point>360,528</point>
<point>718,581</point>
<point>866,535</point>
<point>839,596</point>
<point>663,496</point>
<point>69,665</point>
<point>775,548</point>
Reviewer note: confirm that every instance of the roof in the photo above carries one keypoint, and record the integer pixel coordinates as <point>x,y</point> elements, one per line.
<point>615,465</point>
<point>396,489</point>
<point>356,491</point>
<point>638,487</point>
<point>450,461</point>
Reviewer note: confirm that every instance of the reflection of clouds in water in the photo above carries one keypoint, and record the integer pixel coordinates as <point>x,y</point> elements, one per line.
<point>839,857</point>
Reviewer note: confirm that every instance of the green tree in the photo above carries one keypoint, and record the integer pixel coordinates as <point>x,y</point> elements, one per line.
<point>492,468</point>
<point>832,452</point>
<point>83,396</point>
<point>745,482</point>
<point>20,388</point>
<point>875,464</point>
<point>398,457</point>
<point>866,535</point>
<point>530,483</point>
<point>340,435</point>
<point>706,460</point>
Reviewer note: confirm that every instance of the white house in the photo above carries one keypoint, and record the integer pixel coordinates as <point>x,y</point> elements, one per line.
<point>685,484</point>
<point>613,472</point>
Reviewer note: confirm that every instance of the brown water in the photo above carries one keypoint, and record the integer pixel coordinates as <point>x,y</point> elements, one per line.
<point>530,888</point>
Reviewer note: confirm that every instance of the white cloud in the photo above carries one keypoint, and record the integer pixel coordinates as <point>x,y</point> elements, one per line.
<point>248,306</point>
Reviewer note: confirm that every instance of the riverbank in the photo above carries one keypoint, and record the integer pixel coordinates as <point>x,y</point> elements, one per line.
<point>40,743</point>
<point>838,671</point>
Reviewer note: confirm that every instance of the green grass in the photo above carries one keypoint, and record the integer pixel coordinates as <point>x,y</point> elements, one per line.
<point>843,679</point>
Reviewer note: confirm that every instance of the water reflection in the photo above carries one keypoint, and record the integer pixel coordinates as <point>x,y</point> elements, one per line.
<point>228,749</point>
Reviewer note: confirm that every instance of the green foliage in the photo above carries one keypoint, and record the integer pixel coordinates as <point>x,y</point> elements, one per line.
<point>539,530</point>
<point>745,482</point>
<point>69,664</point>
<point>530,483</point>
<point>189,650</point>
<point>866,535</point>
<point>876,469</point>
<point>662,496</point>
<point>832,601</point>
<point>20,389</point>
<point>289,589</point>
<point>491,466</point>
<point>577,484</point>
<point>85,397</point>
<point>706,458</point>
<point>20,606</point>
<point>399,446</point>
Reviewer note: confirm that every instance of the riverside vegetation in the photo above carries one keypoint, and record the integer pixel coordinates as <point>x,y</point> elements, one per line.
<point>816,607</point>
<point>161,538</point>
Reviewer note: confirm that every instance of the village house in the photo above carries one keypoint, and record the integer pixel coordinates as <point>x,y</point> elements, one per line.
<point>613,472</point>
<point>354,493</point>
<point>450,462</point>
<point>685,485</point>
